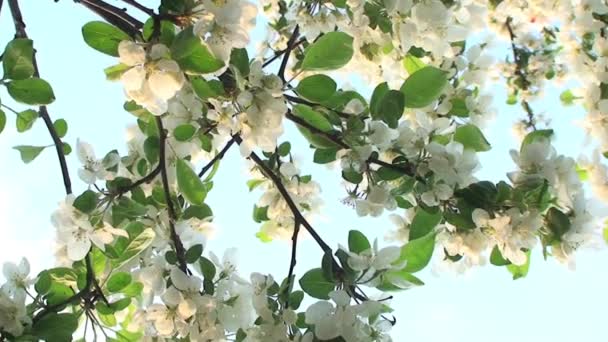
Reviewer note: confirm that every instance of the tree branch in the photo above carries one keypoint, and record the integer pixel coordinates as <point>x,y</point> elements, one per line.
<point>407,169</point>
<point>217,157</point>
<point>290,46</point>
<point>298,217</point>
<point>140,7</point>
<point>280,53</point>
<point>177,242</point>
<point>146,179</point>
<point>292,263</point>
<point>114,15</point>
<point>21,33</point>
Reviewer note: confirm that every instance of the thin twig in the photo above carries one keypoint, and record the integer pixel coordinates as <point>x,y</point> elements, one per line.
<point>217,157</point>
<point>293,261</point>
<point>20,33</point>
<point>177,242</point>
<point>521,74</point>
<point>299,100</point>
<point>280,53</point>
<point>146,179</point>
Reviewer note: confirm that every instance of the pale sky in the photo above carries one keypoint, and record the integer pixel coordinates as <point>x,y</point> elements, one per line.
<point>551,304</point>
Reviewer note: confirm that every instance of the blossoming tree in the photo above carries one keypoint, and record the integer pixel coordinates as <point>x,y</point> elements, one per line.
<point>131,262</point>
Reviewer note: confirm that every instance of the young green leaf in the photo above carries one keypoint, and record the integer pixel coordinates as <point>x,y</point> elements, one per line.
<point>423,87</point>
<point>31,91</point>
<point>103,37</point>
<point>357,242</point>
<point>29,153</point>
<point>520,271</point>
<point>17,60</point>
<point>417,253</point>
<point>317,88</point>
<point>193,55</point>
<point>423,223</point>
<point>61,127</point>
<point>189,184</point>
<point>331,51</point>
<point>315,285</point>
<point>2,120</point>
<point>86,202</point>
<point>119,281</point>
<point>25,120</point>
<point>391,108</point>
<point>471,137</point>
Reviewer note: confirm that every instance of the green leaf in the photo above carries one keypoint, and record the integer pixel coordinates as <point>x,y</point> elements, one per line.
<point>184,132</point>
<point>558,222</point>
<point>17,60</point>
<point>133,290</point>
<point>61,127</point>
<point>324,156</point>
<point>295,299</point>
<point>520,271</point>
<point>536,136</point>
<point>29,153</point>
<point>331,51</point>
<point>189,184</point>
<point>357,242</point>
<point>114,72</point>
<point>497,259</point>
<point>284,149</point>
<point>313,118</point>
<point>86,202</point>
<point>26,119</point>
<point>31,91</point>
<point>199,211</point>
<point>417,253</point>
<point>260,214</point>
<point>2,120</point>
<point>206,89</point>
<point>423,87</point>
<point>56,326</point>
<point>254,183</point>
<point>391,107</point>
<point>374,106</point>
<point>412,63</point>
<point>128,249</point>
<point>315,285</point>
<point>471,137</point>
<point>119,281</point>
<point>167,31</point>
<point>423,223</point>
<point>207,268</point>
<point>240,59</point>
<point>317,88</point>
<point>192,54</point>
<point>103,37</point>
<point>459,108</point>
<point>194,253</point>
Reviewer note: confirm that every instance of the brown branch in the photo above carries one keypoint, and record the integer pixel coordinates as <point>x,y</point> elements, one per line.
<point>299,100</point>
<point>292,263</point>
<point>290,46</point>
<point>407,169</point>
<point>140,7</point>
<point>21,33</point>
<point>280,53</point>
<point>217,157</point>
<point>114,15</point>
<point>177,242</point>
<point>146,179</point>
<point>298,217</point>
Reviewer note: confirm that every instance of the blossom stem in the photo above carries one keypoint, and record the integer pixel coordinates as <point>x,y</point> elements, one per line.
<point>217,157</point>
<point>177,242</point>
<point>44,114</point>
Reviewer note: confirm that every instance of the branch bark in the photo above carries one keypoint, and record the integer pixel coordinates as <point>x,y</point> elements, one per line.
<point>44,114</point>
<point>177,242</point>
<point>217,157</point>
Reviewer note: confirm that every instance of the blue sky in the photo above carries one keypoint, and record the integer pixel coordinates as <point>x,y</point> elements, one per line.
<point>551,304</point>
